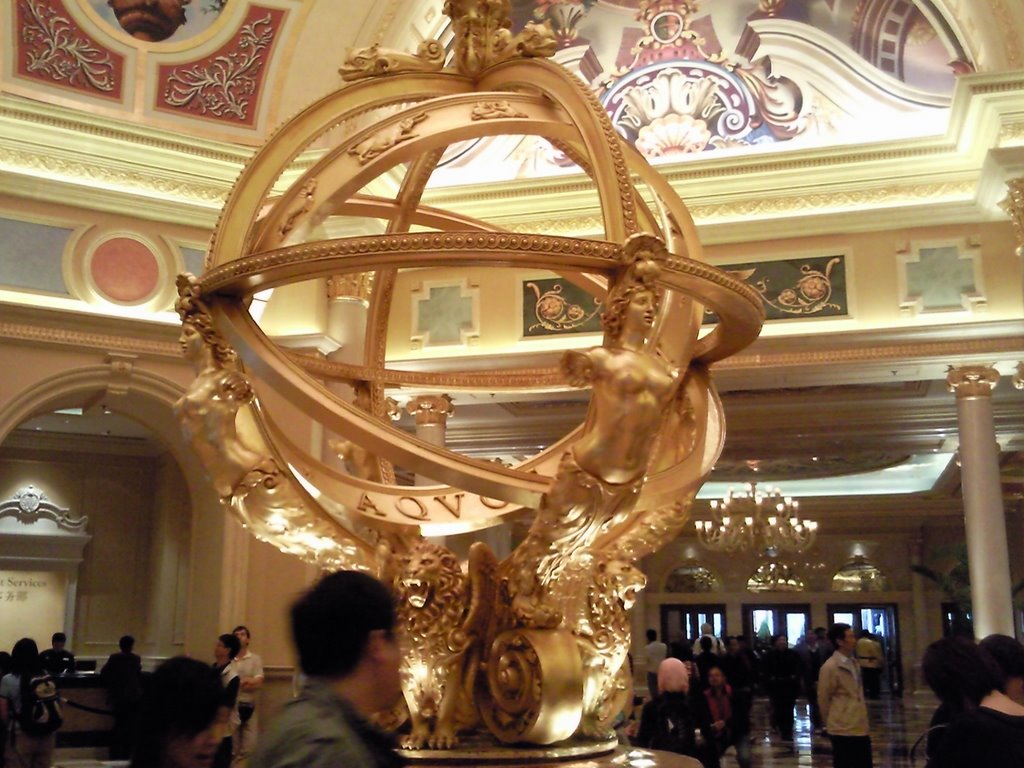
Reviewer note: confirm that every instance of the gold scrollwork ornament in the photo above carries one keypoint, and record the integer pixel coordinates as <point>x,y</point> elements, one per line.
<point>534,690</point>
<point>374,61</point>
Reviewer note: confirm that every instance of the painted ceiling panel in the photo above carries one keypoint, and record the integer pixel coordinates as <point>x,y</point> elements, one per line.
<point>30,257</point>
<point>684,79</point>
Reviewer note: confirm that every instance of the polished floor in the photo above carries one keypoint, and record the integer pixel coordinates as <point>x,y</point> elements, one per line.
<point>896,724</point>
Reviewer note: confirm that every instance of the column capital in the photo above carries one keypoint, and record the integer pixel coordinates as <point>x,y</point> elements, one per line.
<point>771,7</point>
<point>430,409</point>
<point>356,285</point>
<point>972,380</point>
<point>1013,204</point>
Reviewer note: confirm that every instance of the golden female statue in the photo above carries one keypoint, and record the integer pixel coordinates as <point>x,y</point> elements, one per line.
<point>631,386</point>
<point>219,424</point>
<point>208,411</point>
<point>600,477</point>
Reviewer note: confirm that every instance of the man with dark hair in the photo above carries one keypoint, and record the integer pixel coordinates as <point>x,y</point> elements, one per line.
<point>740,672</point>
<point>344,632</point>
<point>250,676</point>
<point>780,671</point>
<point>1008,653</point>
<point>57,660</point>
<point>122,677</point>
<point>983,727</point>
<point>705,659</point>
<point>841,697</point>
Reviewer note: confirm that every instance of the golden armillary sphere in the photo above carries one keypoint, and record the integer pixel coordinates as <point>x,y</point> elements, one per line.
<point>530,649</point>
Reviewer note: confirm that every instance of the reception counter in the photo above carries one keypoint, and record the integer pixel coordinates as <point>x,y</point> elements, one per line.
<point>88,719</point>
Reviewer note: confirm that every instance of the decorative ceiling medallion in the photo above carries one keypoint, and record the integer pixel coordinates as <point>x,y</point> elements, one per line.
<point>125,269</point>
<point>52,48</point>
<point>226,85</point>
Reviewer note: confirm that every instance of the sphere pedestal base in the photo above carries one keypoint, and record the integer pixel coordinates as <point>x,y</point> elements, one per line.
<point>574,754</point>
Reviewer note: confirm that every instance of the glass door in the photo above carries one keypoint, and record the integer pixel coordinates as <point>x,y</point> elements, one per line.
<point>761,622</point>
<point>881,620</point>
<point>956,621</point>
<point>682,622</point>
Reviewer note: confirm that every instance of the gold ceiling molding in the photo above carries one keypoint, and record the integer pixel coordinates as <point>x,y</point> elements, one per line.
<point>1011,133</point>
<point>568,225</point>
<point>680,174</point>
<point>1005,83</point>
<point>820,203</point>
<point>113,341</point>
<point>883,390</point>
<point>100,152</point>
<point>104,176</point>
<point>74,122</point>
<point>738,470</point>
<point>1011,346</point>
<point>1009,28</point>
<point>818,157</point>
<point>823,202</point>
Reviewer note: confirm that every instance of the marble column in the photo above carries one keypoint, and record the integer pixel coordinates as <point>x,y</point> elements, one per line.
<point>920,607</point>
<point>346,323</point>
<point>985,522</point>
<point>431,412</point>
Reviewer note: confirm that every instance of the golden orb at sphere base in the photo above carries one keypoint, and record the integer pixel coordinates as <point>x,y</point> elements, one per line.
<point>575,753</point>
<point>480,748</point>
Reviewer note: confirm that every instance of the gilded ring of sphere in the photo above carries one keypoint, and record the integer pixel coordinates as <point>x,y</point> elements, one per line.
<point>404,122</point>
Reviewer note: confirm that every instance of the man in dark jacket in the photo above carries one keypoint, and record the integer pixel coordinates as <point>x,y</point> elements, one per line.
<point>344,630</point>
<point>122,677</point>
<point>780,671</point>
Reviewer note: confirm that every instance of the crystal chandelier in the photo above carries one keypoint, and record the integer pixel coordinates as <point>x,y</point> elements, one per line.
<point>760,520</point>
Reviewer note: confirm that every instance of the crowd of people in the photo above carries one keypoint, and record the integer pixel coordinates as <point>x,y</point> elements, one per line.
<point>32,709</point>
<point>191,714</point>
<point>700,703</point>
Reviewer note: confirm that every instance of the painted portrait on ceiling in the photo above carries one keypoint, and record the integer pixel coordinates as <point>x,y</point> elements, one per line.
<point>158,21</point>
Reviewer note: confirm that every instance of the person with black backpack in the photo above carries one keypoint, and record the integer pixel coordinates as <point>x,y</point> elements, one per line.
<point>30,709</point>
<point>669,721</point>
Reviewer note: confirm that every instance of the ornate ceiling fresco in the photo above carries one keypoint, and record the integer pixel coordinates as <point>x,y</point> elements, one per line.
<point>207,62</point>
<point>680,79</point>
